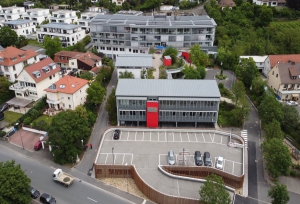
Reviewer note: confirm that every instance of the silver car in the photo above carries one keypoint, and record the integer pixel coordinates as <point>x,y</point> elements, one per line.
<point>292,103</point>
<point>171,157</point>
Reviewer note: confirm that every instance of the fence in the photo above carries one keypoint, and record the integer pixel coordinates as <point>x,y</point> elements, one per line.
<point>121,171</point>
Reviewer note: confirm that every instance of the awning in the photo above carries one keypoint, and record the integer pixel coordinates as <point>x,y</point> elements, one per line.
<point>18,102</point>
<point>295,95</point>
<point>160,47</point>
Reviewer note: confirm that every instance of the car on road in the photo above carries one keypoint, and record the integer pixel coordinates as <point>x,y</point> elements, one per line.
<point>207,159</point>
<point>1,116</point>
<point>34,193</point>
<point>198,158</point>
<point>292,103</point>
<point>220,163</point>
<point>47,199</point>
<point>3,107</point>
<point>116,134</point>
<point>171,157</point>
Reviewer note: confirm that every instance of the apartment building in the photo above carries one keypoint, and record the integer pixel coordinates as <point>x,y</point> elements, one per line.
<point>67,93</point>
<point>21,27</point>
<point>270,2</point>
<point>86,18</point>
<point>272,60</point>
<point>64,16</point>
<point>11,13</point>
<point>37,15</point>
<point>35,78</point>
<point>13,60</point>
<point>130,34</point>
<point>69,34</point>
<point>28,4</point>
<point>118,2</point>
<point>260,61</point>
<point>95,9</point>
<point>154,101</point>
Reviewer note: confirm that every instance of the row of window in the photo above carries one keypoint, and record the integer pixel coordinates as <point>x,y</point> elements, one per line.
<point>166,103</point>
<point>27,84</point>
<point>170,113</point>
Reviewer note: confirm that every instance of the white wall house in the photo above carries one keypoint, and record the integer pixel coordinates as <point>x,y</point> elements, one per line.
<point>13,60</point>
<point>37,15</point>
<point>260,61</point>
<point>64,16</point>
<point>35,78</point>
<point>95,9</point>
<point>12,13</point>
<point>67,93</point>
<point>133,63</point>
<point>21,27</point>
<point>69,34</point>
<point>86,18</point>
<point>28,4</point>
<point>118,2</point>
<point>270,2</point>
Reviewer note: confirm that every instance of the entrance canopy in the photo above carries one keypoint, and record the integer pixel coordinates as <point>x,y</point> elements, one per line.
<point>160,47</point>
<point>18,102</point>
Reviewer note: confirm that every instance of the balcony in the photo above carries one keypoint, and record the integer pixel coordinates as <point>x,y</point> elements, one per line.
<point>58,101</point>
<point>17,87</point>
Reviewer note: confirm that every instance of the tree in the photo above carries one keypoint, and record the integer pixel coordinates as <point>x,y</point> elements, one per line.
<point>290,119</point>
<point>190,72</point>
<point>66,131</point>
<point>79,47</point>
<point>277,156</point>
<point>198,57</point>
<point>258,87</point>
<point>246,71</point>
<point>95,93</point>
<point>111,107</point>
<point>52,46</point>
<point>273,130</point>
<point>15,184</point>
<point>172,52</point>
<point>126,75</point>
<point>5,93</point>
<point>86,75</point>
<point>293,4</point>
<point>94,51</point>
<point>265,16</point>
<point>8,37</point>
<point>279,194</point>
<point>269,109</point>
<point>213,191</point>
<point>238,89</point>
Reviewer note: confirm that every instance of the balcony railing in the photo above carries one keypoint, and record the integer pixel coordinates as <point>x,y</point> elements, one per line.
<point>17,87</point>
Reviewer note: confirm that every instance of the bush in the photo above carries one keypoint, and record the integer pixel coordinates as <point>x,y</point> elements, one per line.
<point>221,77</point>
<point>293,173</point>
<point>41,125</point>
<point>151,50</point>
<point>27,120</point>
<point>2,133</point>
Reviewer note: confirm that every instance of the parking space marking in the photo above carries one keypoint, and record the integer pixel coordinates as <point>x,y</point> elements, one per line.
<point>123,158</point>
<point>196,137</point>
<point>221,139</point>
<point>135,135</point>
<point>150,136</point>
<point>180,137</point>
<point>232,167</point>
<point>128,135</point>
<point>203,137</point>
<point>173,136</point>
<point>214,137</point>
<point>188,136</point>
<point>106,158</point>
<point>178,188</point>
<point>211,137</point>
<point>166,136</point>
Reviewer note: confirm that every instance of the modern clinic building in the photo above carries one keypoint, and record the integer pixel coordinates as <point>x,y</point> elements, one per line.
<point>153,101</point>
<point>131,34</point>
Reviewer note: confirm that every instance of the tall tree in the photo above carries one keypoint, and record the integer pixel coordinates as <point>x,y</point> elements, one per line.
<point>8,37</point>
<point>290,119</point>
<point>198,57</point>
<point>279,194</point>
<point>95,93</point>
<point>86,75</point>
<point>238,89</point>
<point>293,4</point>
<point>111,107</point>
<point>15,184</point>
<point>246,71</point>
<point>190,72</point>
<point>273,130</point>
<point>258,86</point>
<point>265,16</point>
<point>126,75</point>
<point>213,191</point>
<point>52,46</point>
<point>5,93</point>
<point>269,109</point>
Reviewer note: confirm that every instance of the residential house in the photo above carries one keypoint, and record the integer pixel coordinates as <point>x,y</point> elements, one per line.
<point>225,3</point>
<point>260,61</point>
<point>118,2</point>
<point>37,15</point>
<point>13,60</point>
<point>270,2</point>
<point>21,27</point>
<point>35,78</point>
<point>11,13</point>
<point>69,34</point>
<point>95,9</point>
<point>86,18</point>
<point>41,51</point>
<point>64,16</point>
<point>28,4</point>
<point>67,93</point>
<point>1,48</point>
<point>284,79</point>
<point>166,8</point>
<point>133,63</point>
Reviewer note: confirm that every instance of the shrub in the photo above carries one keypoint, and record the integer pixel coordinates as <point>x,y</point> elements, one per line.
<point>2,133</point>
<point>27,120</point>
<point>221,77</point>
<point>293,173</point>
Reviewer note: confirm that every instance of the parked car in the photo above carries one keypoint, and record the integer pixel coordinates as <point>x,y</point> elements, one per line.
<point>34,193</point>
<point>116,134</point>
<point>3,107</point>
<point>220,163</point>
<point>292,103</point>
<point>171,157</point>
<point>38,146</point>
<point>1,116</point>
<point>198,158</point>
<point>47,199</point>
<point>207,159</point>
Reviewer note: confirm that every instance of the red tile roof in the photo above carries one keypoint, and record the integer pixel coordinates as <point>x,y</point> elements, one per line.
<point>11,52</point>
<point>89,58</point>
<point>38,67</point>
<point>96,70</point>
<point>224,3</point>
<point>274,59</point>
<point>68,84</point>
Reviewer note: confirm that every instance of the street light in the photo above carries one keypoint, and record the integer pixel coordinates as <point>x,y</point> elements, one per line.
<point>127,177</point>
<point>17,124</point>
<point>82,142</point>
<point>112,150</point>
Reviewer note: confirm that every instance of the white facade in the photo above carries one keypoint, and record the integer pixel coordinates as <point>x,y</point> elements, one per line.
<point>21,27</point>
<point>118,2</point>
<point>37,15</point>
<point>69,34</point>
<point>63,16</point>
<point>166,8</point>
<point>86,18</point>
<point>260,61</point>
<point>12,13</point>
<point>95,9</point>
<point>270,2</point>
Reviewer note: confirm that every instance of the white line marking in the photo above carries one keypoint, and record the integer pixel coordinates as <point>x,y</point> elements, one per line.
<point>214,137</point>
<point>115,159</point>
<point>159,159</point>
<point>92,199</point>
<point>224,165</point>
<point>210,137</point>
<point>166,136</point>
<point>121,136</point>
<point>128,135</point>
<point>180,137</point>
<point>196,137</point>
<point>150,136</point>
<point>144,201</point>
<point>221,140</point>
<point>123,159</point>
<point>178,188</point>
<point>135,136</point>
<point>232,167</point>
<point>188,136</point>
<point>131,159</point>
<point>203,137</point>
<point>106,158</point>
<point>173,136</point>
<point>157,136</point>
<point>143,137</point>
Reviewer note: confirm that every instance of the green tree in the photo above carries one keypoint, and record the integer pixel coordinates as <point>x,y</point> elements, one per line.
<point>41,125</point>
<point>290,119</point>
<point>273,130</point>
<point>5,93</point>
<point>95,93</point>
<point>293,4</point>
<point>66,131</point>
<point>86,75</point>
<point>94,51</point>
<point>258,86</point>
<point>15,184</point>
<point>198,57</point>
<point>172,52</point>
<point>279,194</point>
<point>111,107</point>
<point>190,72</point>
<point>52,46</point>
<point>238,89</point>
<point>213,191</point>
<point>79,47</point>
<point>269,109</point>
<point>8,37</point>
<point>126,75</point>
<point>275,153</point>
<point>246,71</point>
<point>265,16</point>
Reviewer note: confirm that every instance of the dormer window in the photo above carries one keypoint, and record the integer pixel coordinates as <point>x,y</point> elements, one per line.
<point>37,74</point>
<point>13,59</point>
<point>1,59</point>
<point>22,55</point>
<point>52,65</point>
<point>46,69</point>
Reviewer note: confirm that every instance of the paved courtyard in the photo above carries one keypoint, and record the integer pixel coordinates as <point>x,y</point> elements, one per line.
<point>29,139</point>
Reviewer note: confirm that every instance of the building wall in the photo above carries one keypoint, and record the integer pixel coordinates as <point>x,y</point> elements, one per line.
<point>79,97</point>
<point>12,13</point>
<point>274,79</point>
<point>73,64</point>
<point>267,66</point>
<point>26,30</point>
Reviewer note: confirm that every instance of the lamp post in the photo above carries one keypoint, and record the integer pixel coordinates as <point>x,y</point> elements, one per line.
<point>82,142</point>
<point>112,150</point>
<point>20,136</point>
<point>127,177</point>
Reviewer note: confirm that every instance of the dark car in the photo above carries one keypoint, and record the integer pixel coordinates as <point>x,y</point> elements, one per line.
<point>207,159</point>
<point>198,158</point>
<point>48,199</point>
<point>116,134</point>
<point>1,115</point>
<point>34,193</point>
<point>3,107</point>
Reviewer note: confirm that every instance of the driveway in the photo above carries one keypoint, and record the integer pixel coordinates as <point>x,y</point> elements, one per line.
<point>228,82</point>
<point>29,139</point>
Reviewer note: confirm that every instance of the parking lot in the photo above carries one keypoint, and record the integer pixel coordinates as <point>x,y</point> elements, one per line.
<point>148,149</point>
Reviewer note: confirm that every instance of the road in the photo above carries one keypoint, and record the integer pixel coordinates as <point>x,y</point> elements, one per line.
<point>41,179</point>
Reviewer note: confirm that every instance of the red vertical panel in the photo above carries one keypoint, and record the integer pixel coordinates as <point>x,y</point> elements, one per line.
<point>152,114</point>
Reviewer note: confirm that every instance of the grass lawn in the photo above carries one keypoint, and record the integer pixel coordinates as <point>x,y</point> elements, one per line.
<point>36,43</point>
<point>46,118</point>
<point>11,117</point>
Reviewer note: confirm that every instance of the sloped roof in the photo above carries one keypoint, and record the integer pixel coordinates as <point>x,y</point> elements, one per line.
<point>38,67</point>
<point>71,54</point>
<point>224,3</point>
<point>134,60</point>
<point>285,73</point>
<point>11,52</point>
<point>274,59</point>
<point>88,58</point>
<point>68,84</point>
